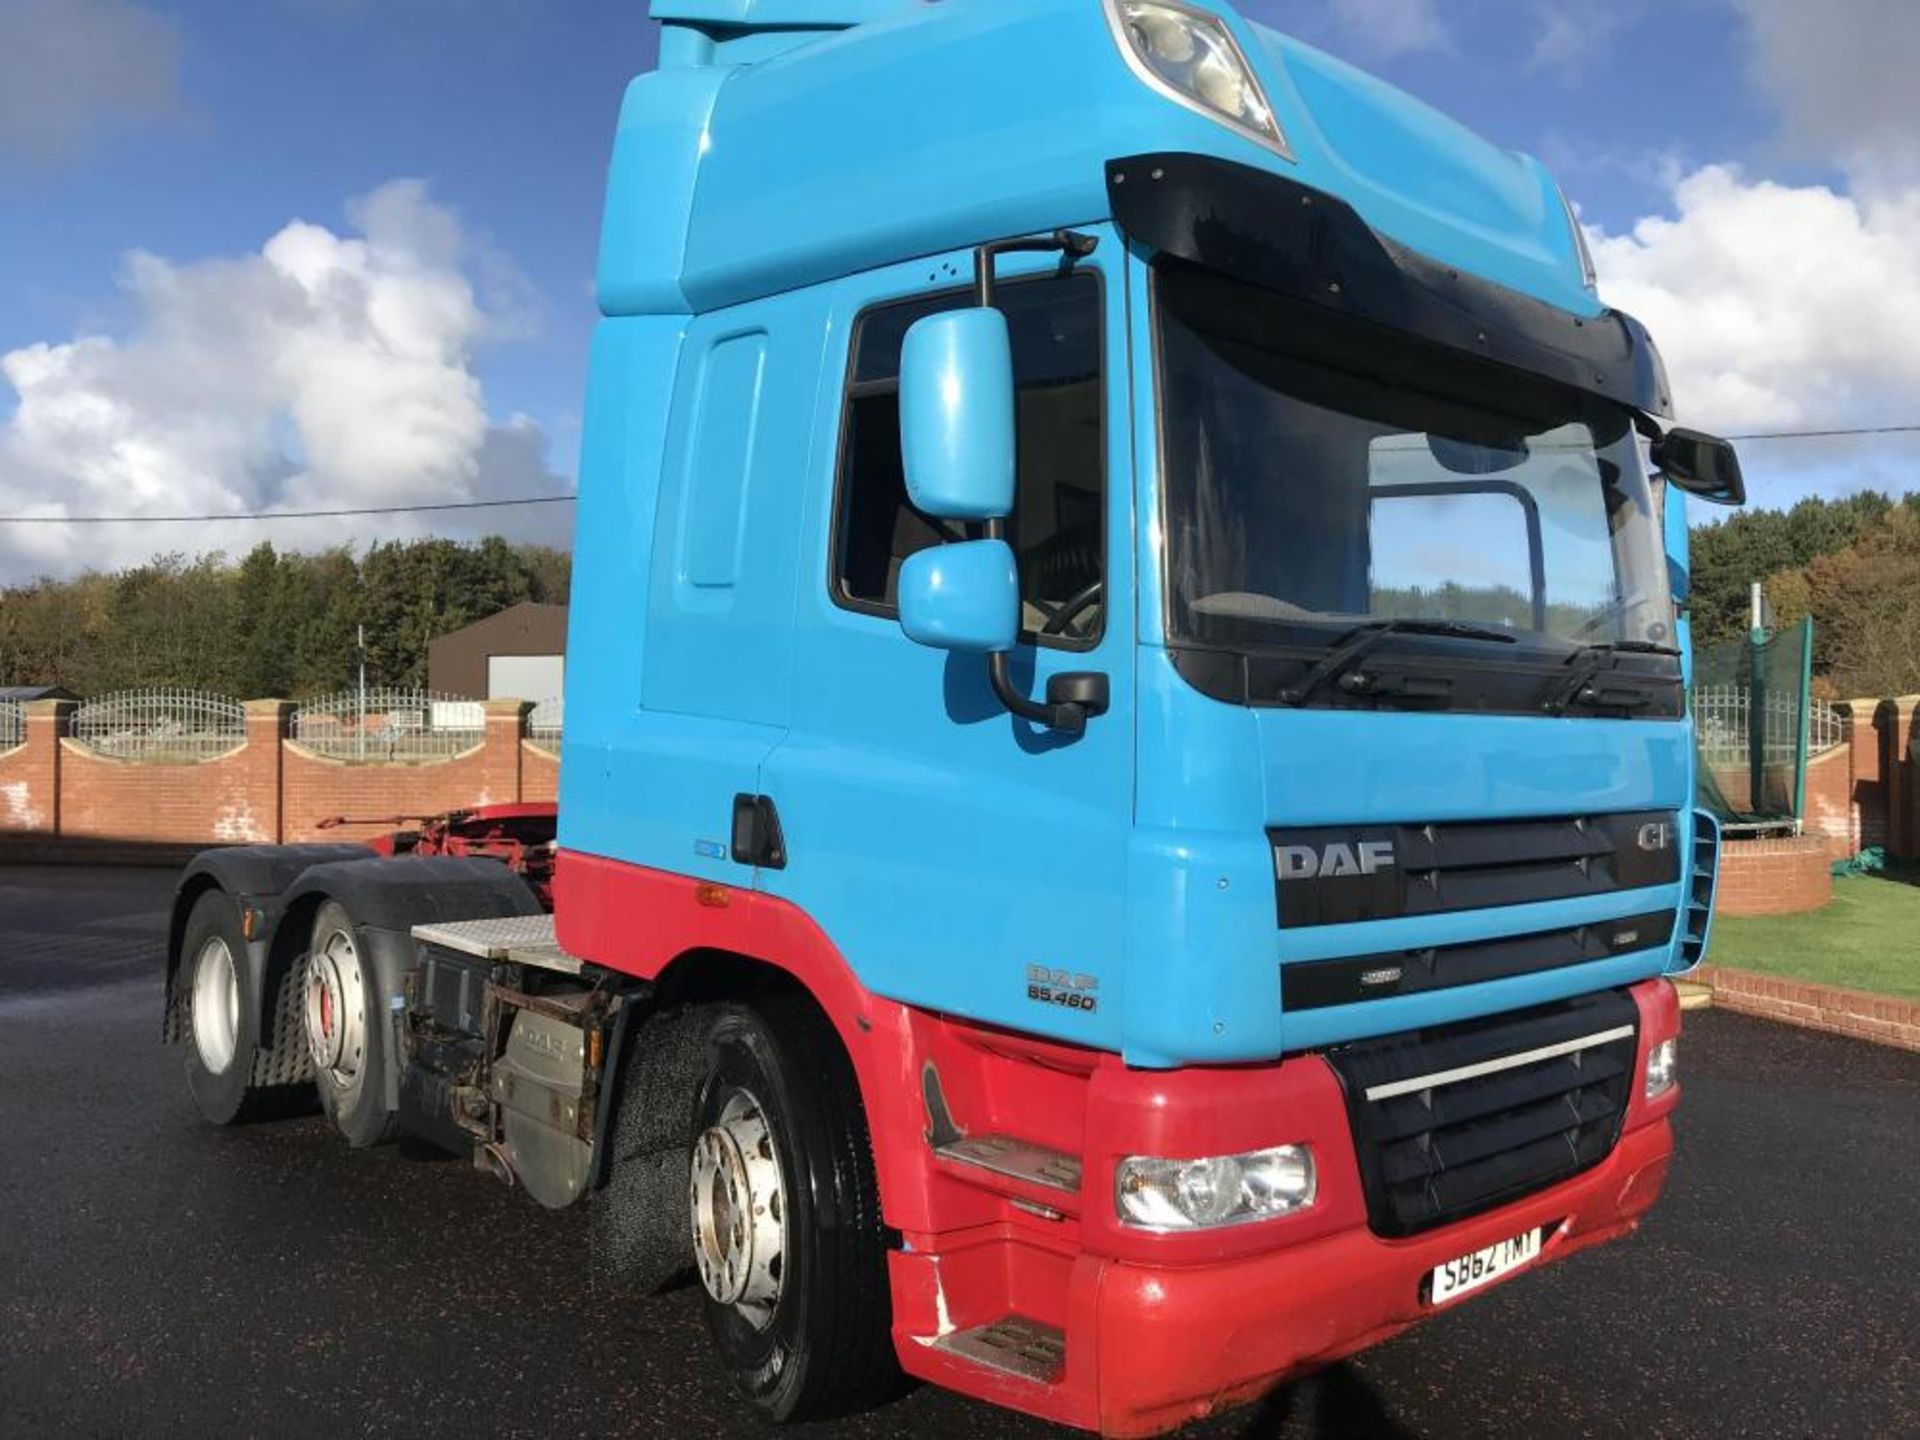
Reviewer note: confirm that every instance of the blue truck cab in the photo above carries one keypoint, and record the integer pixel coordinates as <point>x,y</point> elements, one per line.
<point>1128,789</point>
<point>1140,536</point>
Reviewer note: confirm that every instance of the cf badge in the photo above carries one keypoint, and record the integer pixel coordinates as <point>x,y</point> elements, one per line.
<point>1656,836</point>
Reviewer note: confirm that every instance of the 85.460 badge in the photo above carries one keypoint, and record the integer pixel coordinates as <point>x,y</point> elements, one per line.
<point>1063,988</point>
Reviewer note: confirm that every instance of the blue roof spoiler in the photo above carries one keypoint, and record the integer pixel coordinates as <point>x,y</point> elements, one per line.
<point>721,32</point>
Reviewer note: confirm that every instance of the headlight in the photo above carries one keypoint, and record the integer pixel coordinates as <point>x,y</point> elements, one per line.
<point>1663,1068</point>
<point>1191,56</point>
<point>1158,1194</point>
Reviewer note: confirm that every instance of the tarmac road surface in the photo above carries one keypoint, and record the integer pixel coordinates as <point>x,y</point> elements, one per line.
<point>159,1277</point>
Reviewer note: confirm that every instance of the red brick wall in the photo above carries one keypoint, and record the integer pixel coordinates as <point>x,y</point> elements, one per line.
<point>103,798</point>
<point>270,789</point>
<point>317,788</point>
<point>1774,877</point>
<point>1839,1011</point>
<point>1867,792</point>
<point>1830,813</point>
<point>539,774</point>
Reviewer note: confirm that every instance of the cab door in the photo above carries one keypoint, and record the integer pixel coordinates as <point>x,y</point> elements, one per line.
<point>960,858</point>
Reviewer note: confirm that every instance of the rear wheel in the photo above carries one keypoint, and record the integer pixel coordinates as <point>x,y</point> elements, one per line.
<point>221,1032</point>
<point>785,1216</point>
<point>345,1028</point>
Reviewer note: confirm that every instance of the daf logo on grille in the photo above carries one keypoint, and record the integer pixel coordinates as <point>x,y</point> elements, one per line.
<point>1385,975</point>
<point>1656,836</point>
<point>1309,862</point>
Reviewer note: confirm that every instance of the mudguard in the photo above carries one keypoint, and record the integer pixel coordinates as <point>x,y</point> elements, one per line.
<point>257,877</point>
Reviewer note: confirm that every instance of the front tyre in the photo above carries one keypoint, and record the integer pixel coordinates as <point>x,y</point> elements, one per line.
<point>346,1028</point>
<point>785,1216</point>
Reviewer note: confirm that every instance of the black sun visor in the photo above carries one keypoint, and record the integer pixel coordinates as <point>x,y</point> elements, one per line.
<point>1312,247</point>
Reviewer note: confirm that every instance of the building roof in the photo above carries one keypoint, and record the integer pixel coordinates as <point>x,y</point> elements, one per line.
<point>20,694</point>
<point>528,617</point>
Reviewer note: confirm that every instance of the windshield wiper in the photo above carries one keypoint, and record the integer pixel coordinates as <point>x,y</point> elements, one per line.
<point>1588,661</point>
<point>1362,640</point>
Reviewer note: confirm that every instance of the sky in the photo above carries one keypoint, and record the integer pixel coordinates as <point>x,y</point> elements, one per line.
<point>306,254</point>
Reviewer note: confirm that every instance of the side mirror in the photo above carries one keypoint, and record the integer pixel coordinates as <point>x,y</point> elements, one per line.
<point>962,596</point>
<point>1702,465</point>
<point>957,415</point>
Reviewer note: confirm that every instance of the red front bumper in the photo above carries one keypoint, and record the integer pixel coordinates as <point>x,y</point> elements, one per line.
<point>1172,1345</point>
<point>1163,1329</point>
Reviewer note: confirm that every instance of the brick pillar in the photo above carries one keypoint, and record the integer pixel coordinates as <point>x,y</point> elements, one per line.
<point>266,789</point>
<point>1867,781</point>
<point>1903,795</point>
<point>506,728</point>
<point>30,784</point>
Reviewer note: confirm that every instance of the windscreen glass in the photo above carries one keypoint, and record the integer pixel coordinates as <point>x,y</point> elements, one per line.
<point>1319,474</point>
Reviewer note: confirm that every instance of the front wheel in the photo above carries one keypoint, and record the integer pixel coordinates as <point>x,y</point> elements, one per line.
<point>785,1216</point>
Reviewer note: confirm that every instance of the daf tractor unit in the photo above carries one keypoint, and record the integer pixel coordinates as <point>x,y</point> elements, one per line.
<point>1127,796</point>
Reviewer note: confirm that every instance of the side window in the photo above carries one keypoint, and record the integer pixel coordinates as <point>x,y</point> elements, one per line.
<point>1058,527</point>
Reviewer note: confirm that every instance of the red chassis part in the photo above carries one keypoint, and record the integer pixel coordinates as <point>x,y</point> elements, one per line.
<point>521,837</point>
<point>1160,1329</point>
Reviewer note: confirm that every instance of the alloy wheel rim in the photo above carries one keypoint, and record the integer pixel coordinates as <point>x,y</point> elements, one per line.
<point>216,1005</point>
<point>336,996</point>
<point>739,1212</point>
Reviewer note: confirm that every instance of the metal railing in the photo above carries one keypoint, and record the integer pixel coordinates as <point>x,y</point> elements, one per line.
<point>1722,713</point>
<point>385,725</point>
<point>545,724</point>
<point>13,724</point>
<point>163,725</point>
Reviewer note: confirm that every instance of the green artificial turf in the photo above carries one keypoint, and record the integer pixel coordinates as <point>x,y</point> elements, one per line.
<point>1867,939</point>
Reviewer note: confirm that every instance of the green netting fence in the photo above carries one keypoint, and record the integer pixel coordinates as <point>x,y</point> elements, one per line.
<point>1752,710</point>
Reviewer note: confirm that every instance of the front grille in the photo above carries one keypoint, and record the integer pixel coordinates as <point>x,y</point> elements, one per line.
<point>1445,1125</point>
<point>1315,984</point>
<point>1336,874</point>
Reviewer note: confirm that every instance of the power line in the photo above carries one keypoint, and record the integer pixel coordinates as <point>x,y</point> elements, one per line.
<point>268,516</point>
<point>1828,434</point>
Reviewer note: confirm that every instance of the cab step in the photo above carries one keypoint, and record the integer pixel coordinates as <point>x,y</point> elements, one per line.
<point>1012,1345</point>
<point>1015,1159</point>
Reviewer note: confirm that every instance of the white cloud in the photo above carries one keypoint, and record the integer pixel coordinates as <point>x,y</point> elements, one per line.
<point>1776,305</point>
<point>69,68</point>
<point>325,370</point>
<point>1844,76</point>
<point>1796,306</point>
<point>1394,27</point>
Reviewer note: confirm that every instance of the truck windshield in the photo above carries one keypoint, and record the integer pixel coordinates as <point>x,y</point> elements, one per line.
<point>1320,474</point>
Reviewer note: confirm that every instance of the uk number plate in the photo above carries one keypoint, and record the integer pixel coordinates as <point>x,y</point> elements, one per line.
<point>1483,1267</point>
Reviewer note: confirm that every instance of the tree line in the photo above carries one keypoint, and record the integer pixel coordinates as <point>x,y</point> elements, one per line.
<point>273,623</point>
<point>1853,564</point>
<point>284,624</point>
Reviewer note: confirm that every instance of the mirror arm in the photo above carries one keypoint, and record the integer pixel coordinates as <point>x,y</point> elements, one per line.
<point>1070,245</point>
<point>1068,719</point>
<point>1071,699</point>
